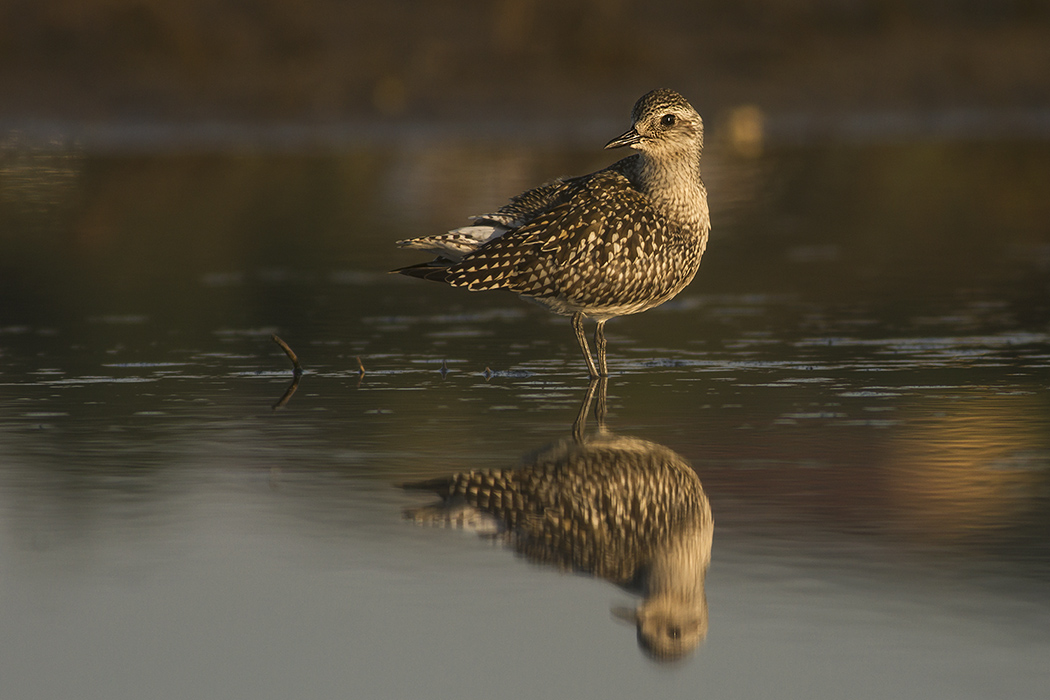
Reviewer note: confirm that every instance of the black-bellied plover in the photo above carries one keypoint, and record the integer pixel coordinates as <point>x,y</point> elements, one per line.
<point>618,241</point>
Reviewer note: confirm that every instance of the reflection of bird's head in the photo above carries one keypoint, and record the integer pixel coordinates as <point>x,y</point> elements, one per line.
<point>668,628</point>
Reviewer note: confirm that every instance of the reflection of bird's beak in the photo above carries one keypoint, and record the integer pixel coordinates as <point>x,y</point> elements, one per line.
<point>627,138</point>
<point>625,614</point>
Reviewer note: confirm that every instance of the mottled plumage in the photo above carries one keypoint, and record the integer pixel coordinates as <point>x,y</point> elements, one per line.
<point>618,241</point>
<point>623,509</point>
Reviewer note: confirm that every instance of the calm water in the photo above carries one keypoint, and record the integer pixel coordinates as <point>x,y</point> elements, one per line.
<point>859,376</point>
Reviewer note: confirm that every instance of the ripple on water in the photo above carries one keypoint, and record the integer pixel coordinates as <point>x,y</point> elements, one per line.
<point>74,381</point>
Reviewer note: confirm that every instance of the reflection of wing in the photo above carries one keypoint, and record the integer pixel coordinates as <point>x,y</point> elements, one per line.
<point>626,510</point>
<point>607,505</point>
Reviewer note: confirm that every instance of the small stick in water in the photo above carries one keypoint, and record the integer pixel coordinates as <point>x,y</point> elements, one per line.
<point>297,372</point>
<point>296,367</point>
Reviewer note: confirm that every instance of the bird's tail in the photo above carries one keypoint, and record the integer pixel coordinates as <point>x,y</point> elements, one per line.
<point>435,271</point>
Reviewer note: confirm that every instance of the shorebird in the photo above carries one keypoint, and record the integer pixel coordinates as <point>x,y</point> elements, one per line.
<point>618,241</point>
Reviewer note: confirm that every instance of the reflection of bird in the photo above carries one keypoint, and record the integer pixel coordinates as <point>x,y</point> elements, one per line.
<point>615,242</point>
<point>623,509</point>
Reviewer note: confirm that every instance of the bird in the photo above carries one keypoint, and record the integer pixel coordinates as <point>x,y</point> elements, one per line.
<point>618,241</point>
<point>624,509</point>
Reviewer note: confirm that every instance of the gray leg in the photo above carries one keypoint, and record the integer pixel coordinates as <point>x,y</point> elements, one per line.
<point>577,325</point>
<point>599,341</point>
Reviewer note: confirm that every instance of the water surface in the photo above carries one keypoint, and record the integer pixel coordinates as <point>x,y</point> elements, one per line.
<point>858,376</point>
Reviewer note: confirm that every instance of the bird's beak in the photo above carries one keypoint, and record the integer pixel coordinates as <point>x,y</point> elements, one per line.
<point>627,138</point>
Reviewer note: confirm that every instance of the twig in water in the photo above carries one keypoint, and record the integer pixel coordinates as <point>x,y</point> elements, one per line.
<point>297,372</point>
<point>296,367</point>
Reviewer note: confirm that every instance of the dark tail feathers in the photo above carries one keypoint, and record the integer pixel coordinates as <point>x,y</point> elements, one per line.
<point>435,271</point>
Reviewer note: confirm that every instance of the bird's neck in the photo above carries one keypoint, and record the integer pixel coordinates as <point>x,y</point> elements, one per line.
<point>673,185</point>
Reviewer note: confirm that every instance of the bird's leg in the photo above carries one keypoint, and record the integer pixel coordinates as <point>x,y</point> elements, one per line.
<point>599,341</point>
<point>577,325</point>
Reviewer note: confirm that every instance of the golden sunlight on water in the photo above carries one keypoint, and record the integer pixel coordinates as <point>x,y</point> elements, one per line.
<point>974,467</point>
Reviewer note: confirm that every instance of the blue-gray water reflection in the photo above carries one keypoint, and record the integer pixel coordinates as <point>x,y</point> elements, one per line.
<point>858,375</point>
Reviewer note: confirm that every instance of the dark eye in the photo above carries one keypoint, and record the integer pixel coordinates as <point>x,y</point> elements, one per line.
<point>668,120</point>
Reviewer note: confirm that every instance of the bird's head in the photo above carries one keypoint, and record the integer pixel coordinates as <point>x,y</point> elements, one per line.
<point>662,121</point>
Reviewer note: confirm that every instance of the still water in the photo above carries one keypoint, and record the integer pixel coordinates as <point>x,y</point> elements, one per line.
<point>857,382</point>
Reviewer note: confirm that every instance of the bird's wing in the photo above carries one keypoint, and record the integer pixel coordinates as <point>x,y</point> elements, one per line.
<point>529,204</point>
<point>598,219</point>
<point>457,243</point>
<point>454,245</point>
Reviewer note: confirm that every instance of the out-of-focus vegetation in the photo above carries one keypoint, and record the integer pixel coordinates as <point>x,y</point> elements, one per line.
<point>331,59</point>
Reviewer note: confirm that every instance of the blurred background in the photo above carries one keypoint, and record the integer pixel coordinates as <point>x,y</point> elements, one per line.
<point>325,61</point>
